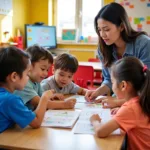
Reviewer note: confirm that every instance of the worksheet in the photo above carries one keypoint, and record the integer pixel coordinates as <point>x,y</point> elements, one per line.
<point>60,118</point>
<point>83,125</point>
<point>81,99</point>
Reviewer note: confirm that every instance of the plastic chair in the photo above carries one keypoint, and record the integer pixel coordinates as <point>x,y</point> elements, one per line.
<point>83,76</point>
<point>50,72</point>
<point>97,75</point>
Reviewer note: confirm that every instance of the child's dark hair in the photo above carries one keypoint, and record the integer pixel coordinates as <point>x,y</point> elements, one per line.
<point>37,53</point>
<point>116,14</point>
<point>66,62</point>
<point>132,69</point>
<point>12,59</point>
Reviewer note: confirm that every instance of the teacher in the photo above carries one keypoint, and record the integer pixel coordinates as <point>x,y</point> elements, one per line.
<point>117,39</point>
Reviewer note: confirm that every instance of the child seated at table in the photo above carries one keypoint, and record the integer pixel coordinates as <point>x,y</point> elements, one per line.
<point>131,81</point>
<point>15,65</point>
<point>41,60</point>
<point>65,65</point>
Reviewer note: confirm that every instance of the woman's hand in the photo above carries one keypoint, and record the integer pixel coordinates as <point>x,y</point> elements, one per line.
<point>109,102</point>
<point>112,102</point>
<point>91,95</point>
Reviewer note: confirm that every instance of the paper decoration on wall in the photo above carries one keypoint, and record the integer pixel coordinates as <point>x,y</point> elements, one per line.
<point>126,3</point>
<point>139,20</point>
<point>136,20</point>
<point>148,20</point>
<point>148,4</point>
<point>6,7</point>
<point>131,6</point>
<point>130,19</point>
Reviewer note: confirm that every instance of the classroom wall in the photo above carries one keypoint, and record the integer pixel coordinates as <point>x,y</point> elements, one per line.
<point>139,13</point>
<point>108,1</point>
<point>29,12</point>
<point>19,18</point>
<point>39,11</point>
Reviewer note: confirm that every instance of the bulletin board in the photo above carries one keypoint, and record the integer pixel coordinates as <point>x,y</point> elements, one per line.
<point>6,7</point>
<point>138,12</point>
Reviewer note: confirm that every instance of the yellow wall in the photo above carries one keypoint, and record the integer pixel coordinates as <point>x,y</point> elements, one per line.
<point>82,51</point>
<point>31,11</point>
<point>108,1</point>
<point>39,11</point>
<point>20,17</point>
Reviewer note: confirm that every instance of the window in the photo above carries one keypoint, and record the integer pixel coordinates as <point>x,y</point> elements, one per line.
<point>77,14</point>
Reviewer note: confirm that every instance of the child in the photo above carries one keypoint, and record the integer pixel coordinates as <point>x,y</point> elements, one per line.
<point>65,65</point>
<point>15,65</point>
<point>131,81</point>
<point>41,59</point>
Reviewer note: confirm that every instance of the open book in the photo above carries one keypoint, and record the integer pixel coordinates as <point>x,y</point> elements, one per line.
<point>60,118</point>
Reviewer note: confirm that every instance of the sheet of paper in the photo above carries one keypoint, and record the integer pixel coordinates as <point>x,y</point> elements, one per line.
<point>79,98</point>
<point>86,105</point>
<point>83,125</point>
<point>60,118</point>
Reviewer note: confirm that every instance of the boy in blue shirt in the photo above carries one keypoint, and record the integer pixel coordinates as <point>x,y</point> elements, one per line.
<point>41,60</point>
<point>15,65</point>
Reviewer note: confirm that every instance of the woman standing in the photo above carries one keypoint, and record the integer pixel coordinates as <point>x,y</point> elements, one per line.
<point>117,39</point>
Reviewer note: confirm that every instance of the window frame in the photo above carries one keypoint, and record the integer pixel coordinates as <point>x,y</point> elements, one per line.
<point>78,18</point>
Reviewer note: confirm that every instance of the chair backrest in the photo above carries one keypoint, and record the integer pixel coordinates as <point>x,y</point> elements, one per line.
<point>83,75</point>
<point>50,72</point>
<point>93,60</point>
<point>97,74</point>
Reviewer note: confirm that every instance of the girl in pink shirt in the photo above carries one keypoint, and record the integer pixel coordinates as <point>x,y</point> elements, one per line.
<point>130,81</point>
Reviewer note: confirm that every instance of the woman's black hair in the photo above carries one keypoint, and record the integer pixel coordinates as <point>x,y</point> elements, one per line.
<point>117,15</point>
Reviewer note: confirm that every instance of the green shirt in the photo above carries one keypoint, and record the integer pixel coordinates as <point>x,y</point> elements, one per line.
<point>31,90</point>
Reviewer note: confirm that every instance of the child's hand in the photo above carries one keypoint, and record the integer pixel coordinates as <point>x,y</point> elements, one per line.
<point>114,110</point>
<point>70,103</point>
<point>48,94</point>
<point>58,96</point>
<point>95,117</point>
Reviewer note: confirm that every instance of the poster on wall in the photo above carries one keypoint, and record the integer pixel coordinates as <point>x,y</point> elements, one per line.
<point>138,12</point>
<point>6,7</point>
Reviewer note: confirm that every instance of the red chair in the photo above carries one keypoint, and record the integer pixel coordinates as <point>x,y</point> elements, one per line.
<point>50,72</point>
<point>97,75</point>
<point>83,76</point>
